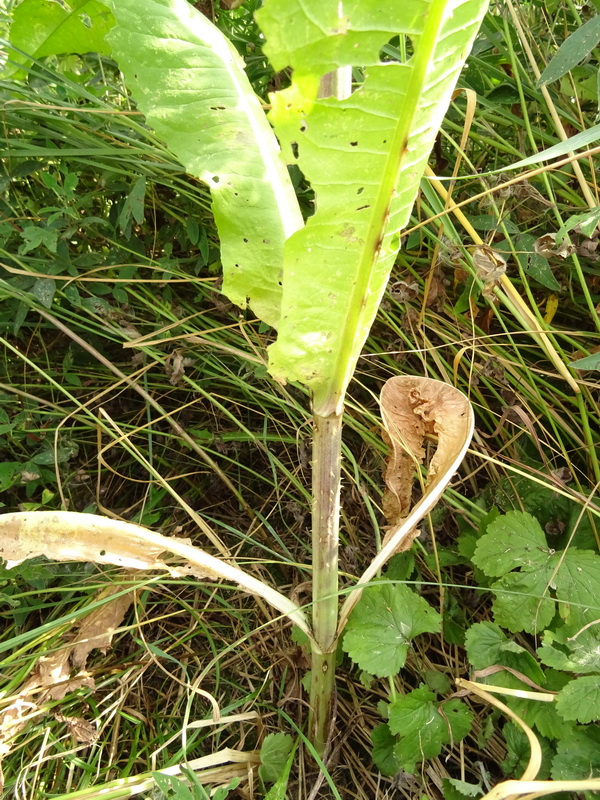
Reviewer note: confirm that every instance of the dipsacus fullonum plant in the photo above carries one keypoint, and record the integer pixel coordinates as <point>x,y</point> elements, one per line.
<point>360,129</point>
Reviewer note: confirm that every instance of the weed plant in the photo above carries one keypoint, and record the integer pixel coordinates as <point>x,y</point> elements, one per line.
<point>110,277</point>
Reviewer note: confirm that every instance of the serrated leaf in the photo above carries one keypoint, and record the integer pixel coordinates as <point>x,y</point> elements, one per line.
<point>44,28</point>
<point>456,790</point>
<point>487,644</point>
<point>382,625</point>
<point>190,82</point>
<point>578,756</point>
<point>274,753</point>
<point>572,51</point>
<point>580,699</point>
<point>577,581</point>
<point>522,602</point>
<point>578,653</point>
<point>423,729</point>
<point>513,540</point>
<point>384,756</point>
<point>363,155</point>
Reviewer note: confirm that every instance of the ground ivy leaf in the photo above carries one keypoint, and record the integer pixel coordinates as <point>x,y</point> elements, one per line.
<point>578,756</point>
<point>580,699</point>
<point>384,756</point>
<point>521,602</point>
<point>274,754</point>
<point>513,540</point>
<point>382,625</point>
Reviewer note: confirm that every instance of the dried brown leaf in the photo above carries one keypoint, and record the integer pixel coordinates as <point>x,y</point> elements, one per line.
<point>546,246</point>
<point>97,628</point>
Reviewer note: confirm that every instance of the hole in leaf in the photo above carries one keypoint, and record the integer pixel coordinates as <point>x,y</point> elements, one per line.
<point>294,147</point>
<point>361,190</point>
<point>361,208</point>
<point>215,178</point>
<point>102,552</point>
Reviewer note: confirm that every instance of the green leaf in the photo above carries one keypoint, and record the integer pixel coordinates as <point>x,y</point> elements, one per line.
<point>534,264</point>
<point>580,699</point>
<point>425,726</point>
<point>579,653</point>
<point>513,540</point>
<point>172,787</point>
<point>190,82</point>
<point>35,236</point>
<point>573,50</point>
<point>487,644</point>
<point>589,362</point>
<point>457,790</point>
<point>380,628</point>
<point>47,28</point>
<point>586,222</point>
<point>577,581</point>
<point>578,756</point>
<point>522,602</point>
<point>364,157</point>
<point>384,755</point>
<point>274,753</point>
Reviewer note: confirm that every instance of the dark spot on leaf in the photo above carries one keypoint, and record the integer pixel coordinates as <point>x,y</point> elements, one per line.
<point>102,552</point>
<point>294,147</point>
<point>362,207</point>
<point>353,144</point>
<point>245,240</point>
<point>361,190</point>
<point>266,241</point>
<point>215,178</point>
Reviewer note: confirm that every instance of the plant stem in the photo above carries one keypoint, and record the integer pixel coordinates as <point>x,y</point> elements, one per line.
<point>327,456</point>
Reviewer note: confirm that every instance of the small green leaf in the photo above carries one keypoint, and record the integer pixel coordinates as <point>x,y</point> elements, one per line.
<point>172,787</point>
<point>572,51</point>
<point>274,753</point>
<point>457,790</point>
<point>589,362</point>
<point>513,540</point>
<point>578,756</point>
<point>384,755</point>
<point>580,699</point>
<point>577,582</point>
<point>424,729</point>
<point>382,625</point>
<point>534,264</point>
<point>487,644</point>
<point>522,602</point>
<point>35,236</point>
<point>587,223</point>
<point>44,289</point>
<point>579,654</point>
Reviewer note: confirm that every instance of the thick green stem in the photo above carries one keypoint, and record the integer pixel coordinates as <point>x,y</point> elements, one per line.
<point>327,454</point>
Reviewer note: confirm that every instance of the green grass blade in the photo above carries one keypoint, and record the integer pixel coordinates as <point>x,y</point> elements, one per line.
<point>364,157</point>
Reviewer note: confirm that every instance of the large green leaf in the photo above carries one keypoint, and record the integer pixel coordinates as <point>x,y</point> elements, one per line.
<point>47,28</point>
<point>364,157</point>
<point>190,82</point>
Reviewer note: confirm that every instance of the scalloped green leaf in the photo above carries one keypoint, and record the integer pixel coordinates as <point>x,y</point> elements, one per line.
<point>522,602</point>
<point>512,540</point>
<point>364,157</point>
<point>381,627</point>
<point>189,81</point>
<point>580,699</point>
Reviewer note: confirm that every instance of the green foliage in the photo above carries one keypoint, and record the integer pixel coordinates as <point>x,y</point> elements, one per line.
<point>418,729</point>
<point>363,161</point>
<point>42,28</point>
<point>274,754</point>
<point>190,82</point>
<point>572,51</point>
<point>382,625</point>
